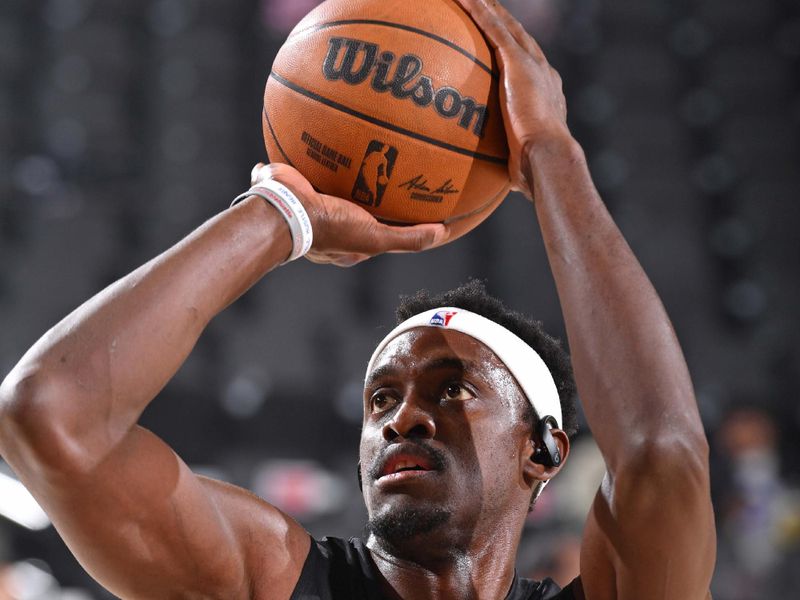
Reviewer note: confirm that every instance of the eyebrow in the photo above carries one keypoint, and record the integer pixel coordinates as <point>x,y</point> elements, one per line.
<point>443,363</point>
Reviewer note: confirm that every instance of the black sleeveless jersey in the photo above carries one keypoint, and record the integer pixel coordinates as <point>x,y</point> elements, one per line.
<point>343,570</point>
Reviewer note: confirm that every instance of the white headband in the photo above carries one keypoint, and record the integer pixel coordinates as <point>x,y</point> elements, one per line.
<point>520,359</point>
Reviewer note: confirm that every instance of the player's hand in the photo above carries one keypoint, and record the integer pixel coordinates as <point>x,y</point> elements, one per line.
<point>345,233</point>
<point>531,98</point>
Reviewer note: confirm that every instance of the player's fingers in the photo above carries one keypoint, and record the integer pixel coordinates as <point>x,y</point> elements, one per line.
<point>255,173</point>
<point>414,238</point>
<point>495,29</point>
<point>500,25</point>
<point>521,36</point>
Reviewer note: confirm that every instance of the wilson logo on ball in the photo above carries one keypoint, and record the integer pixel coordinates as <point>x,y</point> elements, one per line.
<point>352,61</point>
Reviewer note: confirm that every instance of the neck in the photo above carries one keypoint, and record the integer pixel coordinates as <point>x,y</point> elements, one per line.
<point>434,567</point>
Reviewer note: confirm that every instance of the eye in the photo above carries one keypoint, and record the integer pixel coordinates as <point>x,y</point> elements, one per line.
<point>381,402</point>
<point>456,391</point>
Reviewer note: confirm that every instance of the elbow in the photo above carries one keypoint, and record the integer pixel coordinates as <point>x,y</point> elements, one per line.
<point>663,442</point>
<point>668,452</point>
<point>669,467</point>
<point>18,396</point>
<point>32,437</point>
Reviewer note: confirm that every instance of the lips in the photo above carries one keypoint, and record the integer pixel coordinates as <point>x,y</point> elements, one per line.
<point>405,462</point>
<point>409,459</point>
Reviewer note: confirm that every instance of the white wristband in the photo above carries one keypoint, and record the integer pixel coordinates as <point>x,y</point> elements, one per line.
<point>291,209</point>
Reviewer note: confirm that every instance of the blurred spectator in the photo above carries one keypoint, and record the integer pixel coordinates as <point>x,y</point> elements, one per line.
<point>758,513</point>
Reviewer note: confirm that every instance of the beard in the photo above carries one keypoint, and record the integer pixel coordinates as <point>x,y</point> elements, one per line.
<point>395,527</point>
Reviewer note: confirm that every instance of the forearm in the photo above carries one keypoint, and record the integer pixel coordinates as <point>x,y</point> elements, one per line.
<point>629,368</point>
<point>88,379</point>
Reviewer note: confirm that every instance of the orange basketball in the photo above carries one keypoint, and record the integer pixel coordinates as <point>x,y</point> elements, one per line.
<point>393,105</point>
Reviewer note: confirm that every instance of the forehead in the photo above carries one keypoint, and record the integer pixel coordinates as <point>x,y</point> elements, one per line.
<point>425,352</point>
<point>421,346</point>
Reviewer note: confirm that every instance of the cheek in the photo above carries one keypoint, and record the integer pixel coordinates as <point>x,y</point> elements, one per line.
<point>500,456</point>
<point>365,455</point>
<point>488,471</point>
<point>370,446</point>
<point>365,448</point>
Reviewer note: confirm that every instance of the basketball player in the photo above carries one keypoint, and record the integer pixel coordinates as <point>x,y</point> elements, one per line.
<point>463,421</point>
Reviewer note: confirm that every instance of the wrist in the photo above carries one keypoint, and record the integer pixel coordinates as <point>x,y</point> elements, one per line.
<point>557,143</point>
<point>550,153</point>
<point>280,198</point>
<point>270,224</point>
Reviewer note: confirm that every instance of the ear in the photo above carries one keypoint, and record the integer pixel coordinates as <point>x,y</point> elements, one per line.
<point>532,468</point>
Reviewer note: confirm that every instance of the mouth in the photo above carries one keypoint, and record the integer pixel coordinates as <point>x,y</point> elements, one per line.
<point>405,464</point>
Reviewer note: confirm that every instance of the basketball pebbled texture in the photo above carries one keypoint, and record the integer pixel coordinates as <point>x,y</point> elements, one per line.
<point>393,105</point>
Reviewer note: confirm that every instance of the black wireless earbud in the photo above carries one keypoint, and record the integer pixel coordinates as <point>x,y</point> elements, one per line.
<point>547,453</point>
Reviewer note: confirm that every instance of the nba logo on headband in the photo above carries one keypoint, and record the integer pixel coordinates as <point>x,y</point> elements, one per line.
<point>442,318</point>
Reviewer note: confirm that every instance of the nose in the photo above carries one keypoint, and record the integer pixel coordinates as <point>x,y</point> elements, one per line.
<point>410,421</point>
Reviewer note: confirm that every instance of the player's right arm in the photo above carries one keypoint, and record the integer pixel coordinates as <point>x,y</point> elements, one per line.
<point>131,511</point>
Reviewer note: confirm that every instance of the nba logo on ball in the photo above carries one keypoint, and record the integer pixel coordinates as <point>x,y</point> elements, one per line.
<point>374,173</point>
<point>442,318</point>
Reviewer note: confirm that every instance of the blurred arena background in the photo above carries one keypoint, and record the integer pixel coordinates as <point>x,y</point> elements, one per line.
<point>123,125</point>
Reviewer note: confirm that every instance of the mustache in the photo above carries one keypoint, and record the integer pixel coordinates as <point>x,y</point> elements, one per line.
<point>435,457</point>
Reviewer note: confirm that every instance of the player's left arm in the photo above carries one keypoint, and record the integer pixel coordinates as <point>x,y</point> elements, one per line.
<point>650,532</point>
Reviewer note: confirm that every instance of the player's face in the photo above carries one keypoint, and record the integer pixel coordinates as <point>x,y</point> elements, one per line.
<point>443,432</point>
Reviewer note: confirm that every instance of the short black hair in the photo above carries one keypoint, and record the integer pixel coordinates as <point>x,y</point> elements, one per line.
<point>472,296</point>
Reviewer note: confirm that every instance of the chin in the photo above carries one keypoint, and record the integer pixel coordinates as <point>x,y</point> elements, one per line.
<point>396,527</point>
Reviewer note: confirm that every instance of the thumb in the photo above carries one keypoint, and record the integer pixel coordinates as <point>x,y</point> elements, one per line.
<point>255,173</point>
<point>413,238</point>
